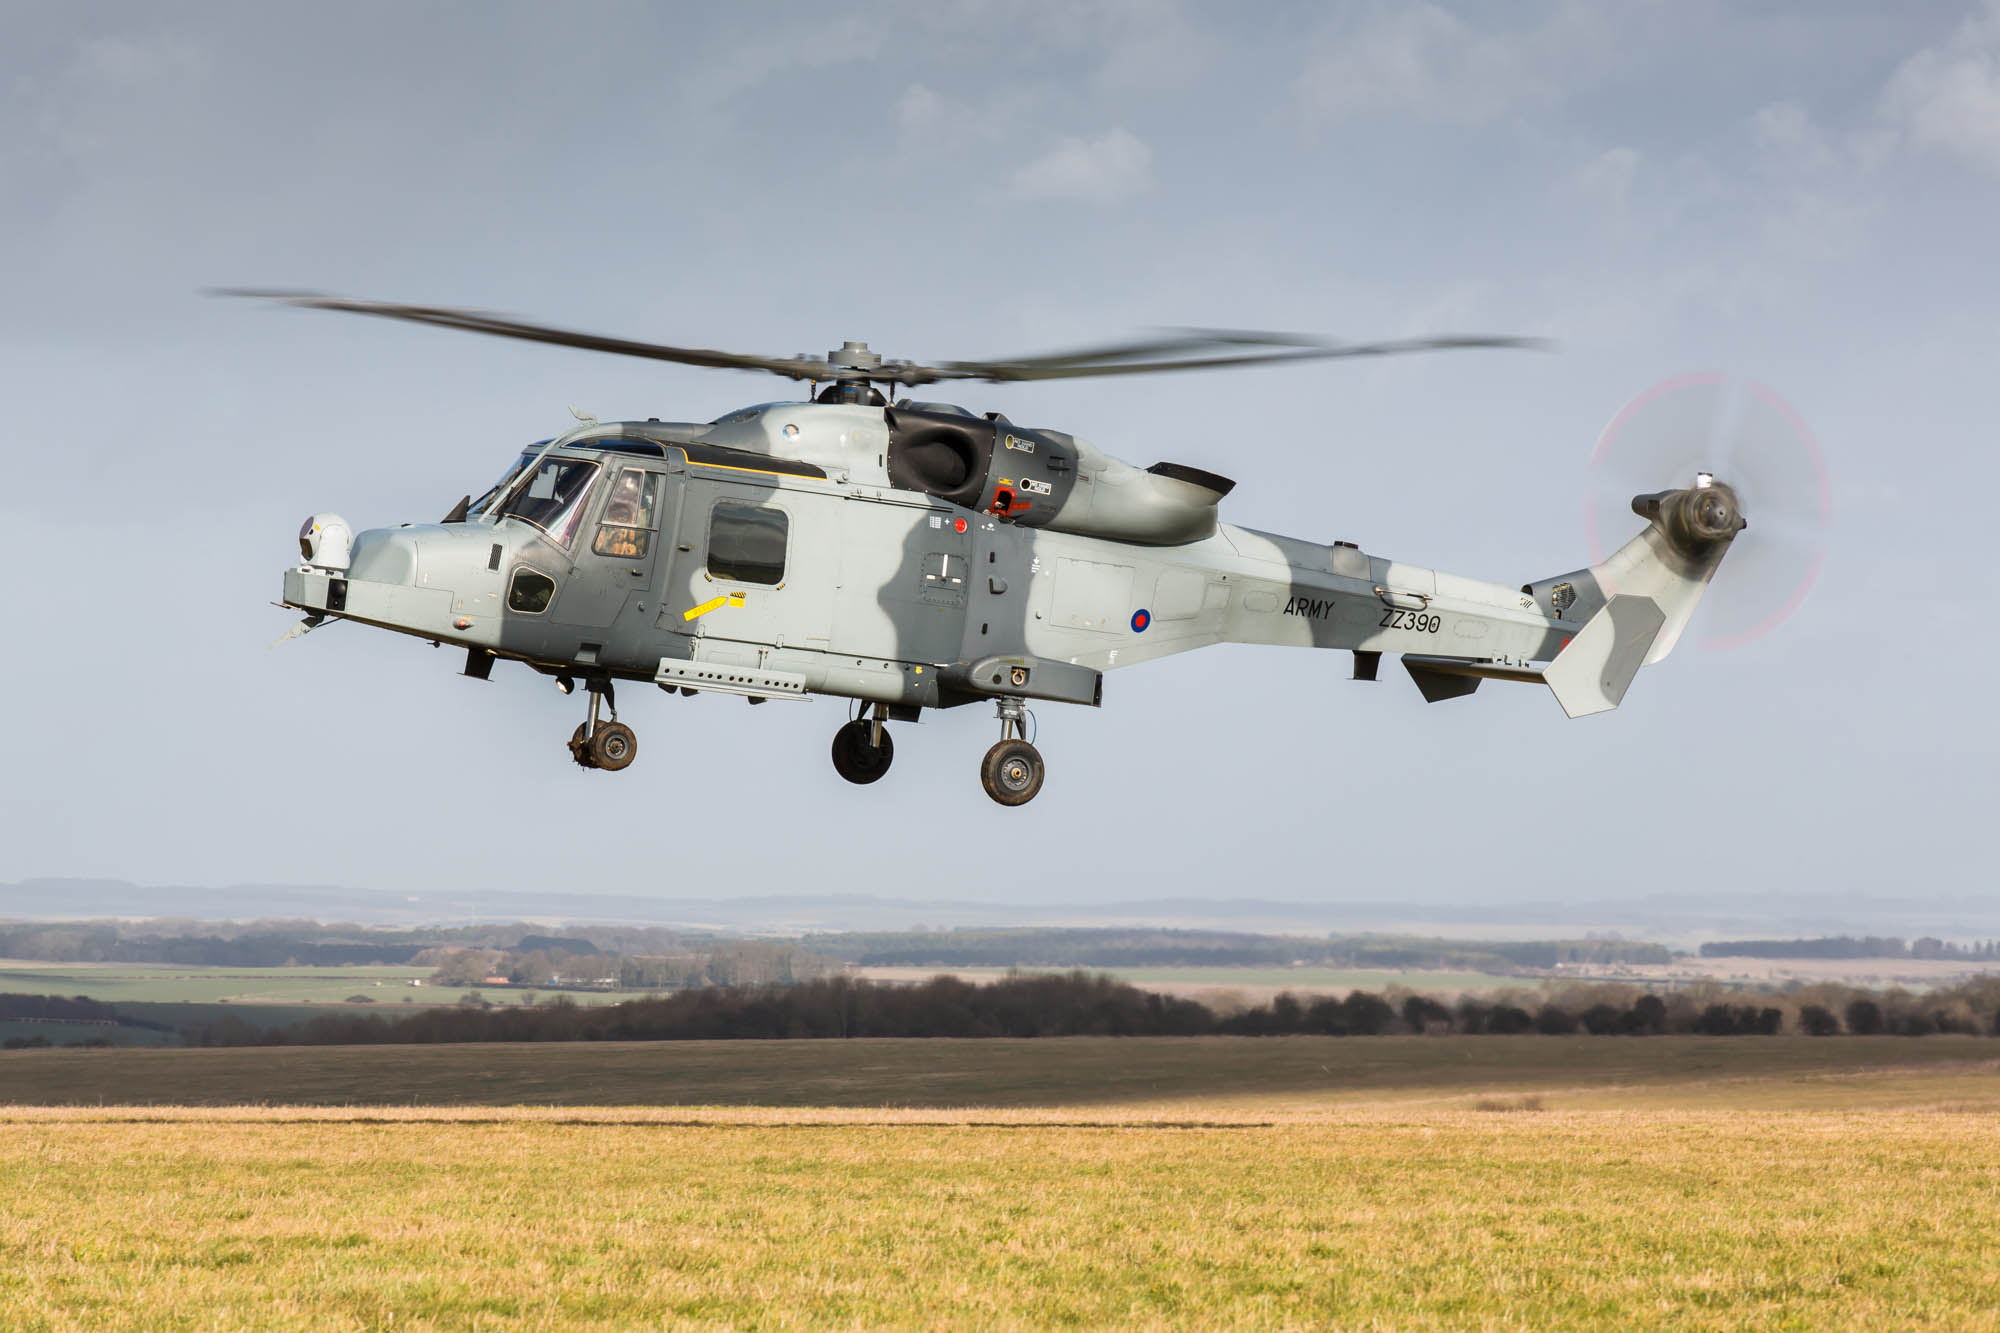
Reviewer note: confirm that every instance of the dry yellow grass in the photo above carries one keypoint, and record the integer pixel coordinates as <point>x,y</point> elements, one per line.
<point>1362,1218</point>
<point>1533,1183</point>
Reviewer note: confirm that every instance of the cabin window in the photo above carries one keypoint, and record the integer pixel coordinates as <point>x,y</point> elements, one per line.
<point>746,543</point>
<point>630,515</point>
<point>531,591</point>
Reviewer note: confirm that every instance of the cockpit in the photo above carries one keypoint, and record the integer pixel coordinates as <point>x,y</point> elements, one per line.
<point>552,498</point>
<point>552,491</point>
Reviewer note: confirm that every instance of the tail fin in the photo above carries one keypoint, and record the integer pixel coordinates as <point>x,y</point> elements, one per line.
<point>1594,669</point>
<point>1634,606</point>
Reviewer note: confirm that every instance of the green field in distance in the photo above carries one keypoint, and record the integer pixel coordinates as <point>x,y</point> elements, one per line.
<point>172,983</point>
<point>389,987</point>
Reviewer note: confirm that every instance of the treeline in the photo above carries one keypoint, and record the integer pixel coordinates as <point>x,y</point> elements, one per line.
<point>301,943</point>
<point>71,1009</point>
<point>1082,1004</point>
<point>1126,947</point>
<point>1851,946</point>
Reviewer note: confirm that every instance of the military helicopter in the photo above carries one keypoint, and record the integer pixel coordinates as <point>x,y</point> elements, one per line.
<point>914,555</point>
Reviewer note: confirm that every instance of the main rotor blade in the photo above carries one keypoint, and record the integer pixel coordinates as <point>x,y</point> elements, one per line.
<point>474,321</point>
<point>1003,372</point>
<point>1124,358</point>
<point>1176,340</point>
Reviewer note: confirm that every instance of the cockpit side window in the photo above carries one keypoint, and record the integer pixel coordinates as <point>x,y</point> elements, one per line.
<point>553,498</point>
<point>630,515</point>
<point>530,591</point>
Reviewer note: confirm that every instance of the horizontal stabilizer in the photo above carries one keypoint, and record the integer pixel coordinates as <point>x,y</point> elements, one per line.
<point>1593,671</point>
<point>1451,677</point>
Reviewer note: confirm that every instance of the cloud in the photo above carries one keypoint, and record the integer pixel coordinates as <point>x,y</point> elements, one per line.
<point>927,120</point>
<point>1112,46</point>
<point>1418,60</point>
<point>1785,132</point>
<point>729,71</point>
<point>1115,165</point>
<point>924,113</point>
<point>1947,98</point>
<point>1608,178</point>
<point>112,86</point>
<point>1147,45</point>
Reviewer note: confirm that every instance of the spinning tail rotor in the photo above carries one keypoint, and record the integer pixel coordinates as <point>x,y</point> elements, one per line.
<point>1767,470</point>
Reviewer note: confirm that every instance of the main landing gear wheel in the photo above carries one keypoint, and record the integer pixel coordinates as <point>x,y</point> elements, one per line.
<point>606,745</point>
<point>613,747</point>
<point>1012,772</point>
<point>861,755</point>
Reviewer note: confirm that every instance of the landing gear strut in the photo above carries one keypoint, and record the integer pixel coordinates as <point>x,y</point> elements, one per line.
<point>1013,770</point>
<point>606,745</point>
<point>862,750</point>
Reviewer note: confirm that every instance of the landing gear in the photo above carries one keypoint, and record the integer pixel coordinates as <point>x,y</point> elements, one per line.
<point>862,750</point>
<point>614,746</point>
<point>606,745</point>
<point>1013,770</point>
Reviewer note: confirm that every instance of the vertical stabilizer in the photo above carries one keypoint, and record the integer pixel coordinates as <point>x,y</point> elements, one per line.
<point>1593,671</point>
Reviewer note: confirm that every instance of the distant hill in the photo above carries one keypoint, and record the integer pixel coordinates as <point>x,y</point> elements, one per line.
<point>1753,911</point>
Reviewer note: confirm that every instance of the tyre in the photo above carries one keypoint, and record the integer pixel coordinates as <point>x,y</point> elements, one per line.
<point>857,758</point>
<point>1012,772</point>
<point>579,748</point>
<point>614,746</point>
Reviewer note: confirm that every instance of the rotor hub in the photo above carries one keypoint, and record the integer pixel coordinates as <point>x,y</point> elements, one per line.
<point>851,355</point>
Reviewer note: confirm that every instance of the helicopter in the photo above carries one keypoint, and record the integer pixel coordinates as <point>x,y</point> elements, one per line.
<point>909,555</point>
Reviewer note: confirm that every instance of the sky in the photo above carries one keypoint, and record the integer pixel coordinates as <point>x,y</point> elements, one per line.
<point>1801,196</point>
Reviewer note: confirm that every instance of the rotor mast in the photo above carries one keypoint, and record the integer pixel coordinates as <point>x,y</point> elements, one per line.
<point>857,384</point>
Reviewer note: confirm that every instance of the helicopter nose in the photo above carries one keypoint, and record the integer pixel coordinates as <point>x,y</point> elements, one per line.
<point>385,555</point>
<point>434,581</point>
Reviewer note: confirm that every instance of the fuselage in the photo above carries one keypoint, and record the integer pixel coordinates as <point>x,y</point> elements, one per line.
<point>795,548</point>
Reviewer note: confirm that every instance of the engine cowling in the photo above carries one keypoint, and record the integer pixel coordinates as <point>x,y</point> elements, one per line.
<point>1048,479</point>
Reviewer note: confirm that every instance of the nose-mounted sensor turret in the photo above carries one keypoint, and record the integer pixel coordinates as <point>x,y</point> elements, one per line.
<point>326,541</point>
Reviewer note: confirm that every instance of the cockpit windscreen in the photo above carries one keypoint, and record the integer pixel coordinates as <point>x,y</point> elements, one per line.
<point>553,498</point>
<point>507,478</point>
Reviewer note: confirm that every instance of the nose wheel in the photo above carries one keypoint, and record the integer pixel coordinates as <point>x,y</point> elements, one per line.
<point>606,745</point>
<point>1012,770</point>
<point>863,751</point>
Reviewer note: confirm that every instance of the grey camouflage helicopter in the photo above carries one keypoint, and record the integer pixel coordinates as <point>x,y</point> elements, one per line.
<point>914,554</point>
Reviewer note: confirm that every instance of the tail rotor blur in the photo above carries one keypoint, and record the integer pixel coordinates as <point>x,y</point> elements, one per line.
<point>1751,440</point>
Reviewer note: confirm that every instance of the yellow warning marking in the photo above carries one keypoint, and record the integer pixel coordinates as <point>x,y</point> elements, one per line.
<point>713,604</point>
<point>737,467</point>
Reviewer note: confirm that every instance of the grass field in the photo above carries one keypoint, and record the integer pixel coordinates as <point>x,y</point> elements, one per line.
<point>267,987</point>
<point>1575,1072</point>
<point>1482,1182</point>
<point>164,982</point>
<point>1454,1219</point>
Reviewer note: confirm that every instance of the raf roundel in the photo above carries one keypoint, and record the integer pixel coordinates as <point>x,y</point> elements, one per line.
<point>1140,619</point>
